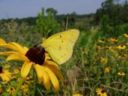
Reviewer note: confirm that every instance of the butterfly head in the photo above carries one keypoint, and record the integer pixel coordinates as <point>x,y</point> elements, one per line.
<point>36,54</point>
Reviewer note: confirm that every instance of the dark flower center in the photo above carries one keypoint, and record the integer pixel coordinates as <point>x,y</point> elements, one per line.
<point>103,91</point>
<point>36,54</point>
<point>1,69</point>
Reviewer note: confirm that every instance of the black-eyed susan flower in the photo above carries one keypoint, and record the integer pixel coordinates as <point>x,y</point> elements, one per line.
<point>104,60</point>
<point>25,88</point>
<point>101,92</point>
<point>107,69</point>
<point>121,47</point>
<point>113,40</point>
<point>101,41</point>
<point>48,72</point>
<point>11,90</point>
<point>121,73</point>
<point>5,75</point>
<point>126,35</point>
<point>77,94</point>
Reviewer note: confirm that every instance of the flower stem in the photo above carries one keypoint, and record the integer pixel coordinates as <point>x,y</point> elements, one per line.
<point>35,79</point>
<point>18,87</point>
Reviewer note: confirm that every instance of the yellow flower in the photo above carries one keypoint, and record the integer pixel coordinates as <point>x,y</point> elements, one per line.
<point>126,35</point>
<point>101,41</point>
<point>121,73</point>
<point>112,40</point>
<point>103,60</point>
<point>5,75</point>
<point>121,47</point>
<point>15,71</point>
<point>25,88</point>
<point>48,72</point>
<point>107,69</point>
<point>77,94</point>
<point>101,92</point>
<point>11,90</point>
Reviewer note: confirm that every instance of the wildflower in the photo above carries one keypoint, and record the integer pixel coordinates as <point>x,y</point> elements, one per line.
<point>121,73</point>
<point>103,60</point>
<point>77,94</point>
<point>101,41</point>
<point>121,47</point>
<point>107,69</point>
<point>48,72</point>
<point>101,92</point>
<point>111,48</point>
<point>11,90</point>
<point>5,75</point>
<point>15,71</point>
<point>113,40</point>
<point>98,47</point>
<point>126,35</point>
<point>25,88</point>
<point>7,66</point>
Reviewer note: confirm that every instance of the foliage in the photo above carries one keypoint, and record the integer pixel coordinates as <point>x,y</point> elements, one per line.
<point>111,15</point>
<point>46,22</point>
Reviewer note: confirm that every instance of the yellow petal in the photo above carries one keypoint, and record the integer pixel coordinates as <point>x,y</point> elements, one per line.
<point>16,56</point>
<point>25,49</point>
<point>77,94</point>
<point>53,79</point>
<point>26,69</point>
<point>55,69</point>
<point>42,76</point>
<point>47,57</point>
<point>10,46</point>
<point>5,76</point>
<point>7,53</point>
<point>2,41</point>
<point>17,47</point>
<point>50,62</point>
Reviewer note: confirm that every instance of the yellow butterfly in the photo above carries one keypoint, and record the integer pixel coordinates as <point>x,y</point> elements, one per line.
<point>60,45</point>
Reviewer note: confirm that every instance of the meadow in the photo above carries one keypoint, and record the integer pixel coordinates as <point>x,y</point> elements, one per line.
<point>98,66</point>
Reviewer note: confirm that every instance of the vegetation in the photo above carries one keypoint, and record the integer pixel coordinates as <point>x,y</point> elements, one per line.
<point>99,65</point>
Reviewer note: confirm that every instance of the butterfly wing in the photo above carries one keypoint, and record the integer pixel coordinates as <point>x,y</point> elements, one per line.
<point>60,45</point>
